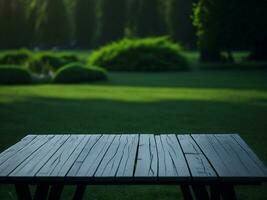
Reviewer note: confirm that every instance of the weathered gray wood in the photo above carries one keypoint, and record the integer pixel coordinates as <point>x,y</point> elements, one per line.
<point>229,160</point>
<point>8,153</point>
<point>83,155</point>
<point>239,157</point>
<point>62,170</point>
<point>12,163</point>
<point>171,160</point>
<point>111,162</point>
<point>213,150</point>
<point>147,160</point>
<point>251,153</point>
<point>36,160</point>
<point>95,156</point>
<point>60,156</point>
<point>126,167</point>
<point>198,164</point>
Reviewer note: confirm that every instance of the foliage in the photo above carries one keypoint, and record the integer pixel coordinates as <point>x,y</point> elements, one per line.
<point>12,22</point>
<point>43,63</point>
<point>149,54</point>
<point>77,73</point>
<point>150,18</point>
<point>14,75</point>
<point>18,57</point>
<point>52,25</point>
<point>179,19</point>
<point>85,22</point>
<point>111,20</point>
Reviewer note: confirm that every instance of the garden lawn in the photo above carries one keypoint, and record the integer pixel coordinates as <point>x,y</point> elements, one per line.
<point>188,102</point>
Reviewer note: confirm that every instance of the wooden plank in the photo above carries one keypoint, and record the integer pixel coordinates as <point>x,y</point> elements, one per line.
<point>147,158</point>
<point>110,162</point>
<point>8,153</point>
<point>126,167</point>
<point>79,161</point>
<point>62,171</point>
<point>208,145</point>
<point>12,163</point>
<point>250,152</point>
<point>61,156</point>
<point>118,152</point>
<point>35,161</point>
<point>171,161</point>
<point>95,156</point>
<point>199,166</point>
<point>239,156</point>
<point>229,161</point>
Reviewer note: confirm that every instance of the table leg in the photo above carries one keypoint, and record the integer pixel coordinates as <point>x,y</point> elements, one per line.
<point>215,192</point>
<point>55,192</point>
<point>200,192</point>
<point>23,192</point>
<point>41,192</point>
<point>228,192</point>
<point>186,192</point>
<point>79,192</point>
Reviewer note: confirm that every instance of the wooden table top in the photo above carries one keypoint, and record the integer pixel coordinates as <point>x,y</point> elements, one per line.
<point>131,158</point>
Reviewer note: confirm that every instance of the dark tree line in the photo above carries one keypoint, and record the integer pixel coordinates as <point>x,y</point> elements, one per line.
<point>89,23</point>
<point>219,25</point>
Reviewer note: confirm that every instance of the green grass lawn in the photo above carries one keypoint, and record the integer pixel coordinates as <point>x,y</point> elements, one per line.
<point>188,102</point>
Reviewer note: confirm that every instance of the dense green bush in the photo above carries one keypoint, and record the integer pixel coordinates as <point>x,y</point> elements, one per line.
<point>14,75</point>
<point>45,62</point>
<point>77,73</point>
<point>148,54</point>
<point>18,57</point>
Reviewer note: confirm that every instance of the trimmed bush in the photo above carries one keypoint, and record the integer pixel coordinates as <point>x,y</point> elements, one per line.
<point>70,58</point>
<point>43,63</point>
<point>18,57</point>
<point>77,73</point>
<point>14,75</point>
<point>148,54</point>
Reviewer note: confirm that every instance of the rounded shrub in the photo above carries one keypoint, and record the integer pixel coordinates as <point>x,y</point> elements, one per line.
<point>77,73</point>
<point>45,62</point>
<point>14,75</point>
<point>18,57</point>
<point>147,54</point>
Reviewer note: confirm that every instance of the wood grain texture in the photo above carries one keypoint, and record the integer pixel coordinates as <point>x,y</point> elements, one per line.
<point>95,156</point>
<point>250,152</point>
<point>199,166</point>
<point>126,167</point>
<point>35,161</point>
<point>83,155</point>
<point>8,153</point>
<point>147,160</point>
<point>12,163</point>
<point>60,156</point>
<point>118,157</point>
<point>229,160</point>
<point>239,157</point>
<point>171,161</point>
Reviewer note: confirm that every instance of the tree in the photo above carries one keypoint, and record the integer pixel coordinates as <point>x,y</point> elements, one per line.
<point>52,27</point>
<point>85,22</point>
<point>111,20</point>
<point>149,19</point>
<point>13,24</point>
<point>179,17</point>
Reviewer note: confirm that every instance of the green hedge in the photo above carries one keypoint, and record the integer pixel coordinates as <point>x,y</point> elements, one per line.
<point>148,54</point>
<point>14,75</point>
<point>77,73</point>
<point>44,62</point>
<point>18,57</point>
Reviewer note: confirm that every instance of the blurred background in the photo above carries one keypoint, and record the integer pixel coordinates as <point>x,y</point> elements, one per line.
<point>134,66</point>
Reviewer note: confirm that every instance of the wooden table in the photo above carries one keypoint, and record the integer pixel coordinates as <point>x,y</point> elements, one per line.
<point>205,166</point>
